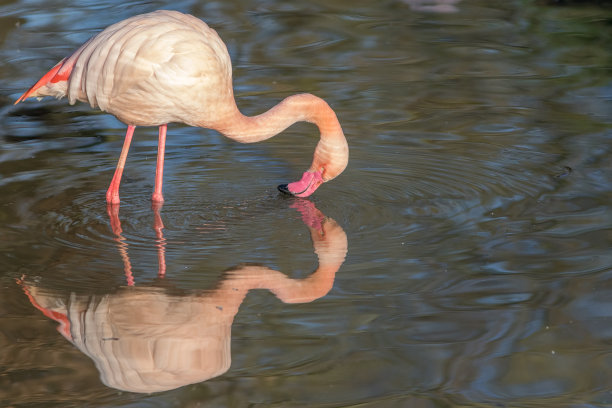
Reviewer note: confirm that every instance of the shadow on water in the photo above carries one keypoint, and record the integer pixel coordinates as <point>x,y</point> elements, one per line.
<point>154,336</point>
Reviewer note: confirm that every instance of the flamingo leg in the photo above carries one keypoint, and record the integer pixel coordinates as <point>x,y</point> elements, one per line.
<point>112,194</point>
<point>159,170</point>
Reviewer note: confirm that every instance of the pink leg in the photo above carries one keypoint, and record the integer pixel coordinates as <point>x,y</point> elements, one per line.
<point>112,194</point>
<point>159,171</point>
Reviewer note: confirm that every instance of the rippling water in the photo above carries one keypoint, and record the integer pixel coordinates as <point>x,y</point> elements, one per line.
<point>476,210</point>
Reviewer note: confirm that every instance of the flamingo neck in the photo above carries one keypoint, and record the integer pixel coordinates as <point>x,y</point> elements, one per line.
<point>296,108</point>
<point>332,150</point>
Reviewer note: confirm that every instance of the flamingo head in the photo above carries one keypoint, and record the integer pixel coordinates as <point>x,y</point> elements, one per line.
<point>330,159</point>
<point>310,181</point>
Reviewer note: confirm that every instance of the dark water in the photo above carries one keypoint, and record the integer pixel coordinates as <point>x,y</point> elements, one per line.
<point>476,208</point>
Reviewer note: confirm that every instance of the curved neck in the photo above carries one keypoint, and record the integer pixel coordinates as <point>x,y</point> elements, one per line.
<point>331,154</point>
<point>295,108</point>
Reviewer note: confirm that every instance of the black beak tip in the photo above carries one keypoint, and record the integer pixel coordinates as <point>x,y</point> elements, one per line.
<point>284,188</point>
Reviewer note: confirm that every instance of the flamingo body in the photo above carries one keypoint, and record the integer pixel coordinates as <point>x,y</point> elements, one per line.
<point>148,70</point>
<point>165,66</point>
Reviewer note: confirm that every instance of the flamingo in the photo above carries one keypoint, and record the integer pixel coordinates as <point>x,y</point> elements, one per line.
<point>161,67</point>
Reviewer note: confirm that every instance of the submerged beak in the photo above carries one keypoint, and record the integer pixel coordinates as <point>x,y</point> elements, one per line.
<point>310,181</point>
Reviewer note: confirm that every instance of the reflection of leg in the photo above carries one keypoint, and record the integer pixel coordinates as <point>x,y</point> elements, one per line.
<point>122,246</point>
<point>112,194</point>
<point>159,170</point>
<point>158,226</point>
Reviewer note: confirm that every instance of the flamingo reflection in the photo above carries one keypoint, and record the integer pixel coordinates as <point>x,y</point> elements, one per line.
<point>147,339</point>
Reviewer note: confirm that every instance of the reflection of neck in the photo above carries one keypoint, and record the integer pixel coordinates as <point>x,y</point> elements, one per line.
<point>239,281</point>
<point>330,245</point>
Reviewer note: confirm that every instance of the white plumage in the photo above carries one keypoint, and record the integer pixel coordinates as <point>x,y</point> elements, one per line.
<point>165,66</point>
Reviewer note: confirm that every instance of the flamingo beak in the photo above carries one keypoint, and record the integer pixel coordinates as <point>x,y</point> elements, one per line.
<point>311,180</point>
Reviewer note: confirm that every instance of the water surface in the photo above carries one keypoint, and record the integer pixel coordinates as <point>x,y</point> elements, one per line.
<point>475,207</point>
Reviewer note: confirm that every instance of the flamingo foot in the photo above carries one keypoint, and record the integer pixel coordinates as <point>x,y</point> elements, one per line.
<point>311,180</point>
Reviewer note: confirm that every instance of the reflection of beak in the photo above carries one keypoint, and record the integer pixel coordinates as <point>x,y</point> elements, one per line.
<point>311,180</point>
<point>311,216</point>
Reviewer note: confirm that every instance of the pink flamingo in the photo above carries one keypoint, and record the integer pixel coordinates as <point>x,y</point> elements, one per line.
<point>165,66</point>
